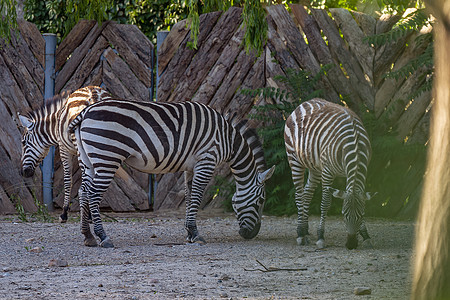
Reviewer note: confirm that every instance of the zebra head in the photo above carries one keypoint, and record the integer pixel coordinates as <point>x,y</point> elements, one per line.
<point>35,145</point>
<point>248,204</point>
<point>353,210</point>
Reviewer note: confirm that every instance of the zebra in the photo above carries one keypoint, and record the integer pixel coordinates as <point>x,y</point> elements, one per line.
<point>329,140</point>
<point>156,137</point>
<point>47,126</point>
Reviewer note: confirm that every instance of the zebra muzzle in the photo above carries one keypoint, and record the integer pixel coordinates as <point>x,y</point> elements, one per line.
<point>27,172</point>
<point>352,242</point>
<point>249,233</point>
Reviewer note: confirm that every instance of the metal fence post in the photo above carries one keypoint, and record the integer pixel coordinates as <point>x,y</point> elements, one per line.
<point>49,91</point>
<point>160,37</point>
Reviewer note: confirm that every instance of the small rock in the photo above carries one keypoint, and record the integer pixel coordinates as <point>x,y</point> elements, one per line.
<point>362,291</point>
<point>57,263</point>
<point>29,240</point>
<point>36,250</point>
<point>153,236</point>
<point>100,285</point>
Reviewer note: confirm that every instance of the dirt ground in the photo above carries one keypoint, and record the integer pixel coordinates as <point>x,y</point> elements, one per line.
<point>152,261</point>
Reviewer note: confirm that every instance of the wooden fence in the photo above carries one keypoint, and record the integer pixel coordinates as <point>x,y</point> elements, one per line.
<point>214,73</point>
<point>117,57</point>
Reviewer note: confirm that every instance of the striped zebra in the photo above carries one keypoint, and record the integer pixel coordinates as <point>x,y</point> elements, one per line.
<point>328,140</point>
<point>47,126</point>
<point>162,138</point>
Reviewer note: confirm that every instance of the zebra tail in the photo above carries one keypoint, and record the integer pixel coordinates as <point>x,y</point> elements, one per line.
<point>76,122</point>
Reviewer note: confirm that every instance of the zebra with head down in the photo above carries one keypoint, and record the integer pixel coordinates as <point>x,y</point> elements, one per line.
<point>328,140</point>
<point>157,137</point>
<point>47,126</point>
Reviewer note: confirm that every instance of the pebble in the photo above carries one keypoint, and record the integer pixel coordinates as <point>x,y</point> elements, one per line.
<point>36,250</point>
<point>362,291</point>
<point>57,263</point>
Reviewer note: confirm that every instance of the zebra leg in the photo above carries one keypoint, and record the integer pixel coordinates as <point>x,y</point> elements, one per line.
<point>324,207</point>
<point>66,159</point>
<point>305,200</point>
<point>298,172</point>
<point>365,235</point>
<point>202,175</point>
<point>98,187</point>
<point>89,239</point>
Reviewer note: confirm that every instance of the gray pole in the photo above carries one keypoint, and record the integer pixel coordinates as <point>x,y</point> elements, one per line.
<point>49,91</point>
<point>160,37</point>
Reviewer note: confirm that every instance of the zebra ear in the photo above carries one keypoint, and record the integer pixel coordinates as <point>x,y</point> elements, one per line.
<point>25,121</point>
<point>369,195</point>
<point>337,193</point>
<point>262,177</point>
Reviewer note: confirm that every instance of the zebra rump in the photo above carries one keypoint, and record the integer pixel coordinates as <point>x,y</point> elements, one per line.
<point>329,140</point>
<point>159,138</point>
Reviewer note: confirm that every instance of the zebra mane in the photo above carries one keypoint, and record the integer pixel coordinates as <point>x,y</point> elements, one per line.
<point>49,104</point>
<point>250,135</point>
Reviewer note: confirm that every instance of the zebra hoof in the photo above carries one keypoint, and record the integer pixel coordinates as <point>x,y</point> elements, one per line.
<point>90,242</point>
<point>197,239</point>
<point>320,244</point>
<point>61,220</point>
<point>106,243</point>
<point>302,241</point>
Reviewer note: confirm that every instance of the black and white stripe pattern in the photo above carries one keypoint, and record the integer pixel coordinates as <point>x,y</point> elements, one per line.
<point>47,127</point>
<point>328,140</point>
<point>164,138</point>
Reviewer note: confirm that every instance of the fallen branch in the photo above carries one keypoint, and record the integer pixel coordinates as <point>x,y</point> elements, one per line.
<point>273,269</point>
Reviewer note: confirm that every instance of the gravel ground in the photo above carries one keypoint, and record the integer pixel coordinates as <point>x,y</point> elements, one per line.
<point>152,261</point>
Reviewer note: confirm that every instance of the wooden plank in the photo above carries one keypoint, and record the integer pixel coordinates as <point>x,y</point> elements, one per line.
<point>206,56</point>
<point>21,75</point>
<point>116,199</point>
<point>14,185</point>
<point>11,94</point>
<point>389,86</point>
<point>412,114</point>
<point>400,99</point>
<point>421,132</point>
<point>354,37</point>
<point>95,77</point>
<point>320,49</point>
<point>232,81</point>
<point>6,206</point>
<point>277,46</point>
<point>183,57</point>
<point>33,38</point>
<point>169,192</point>
<point>26,55</point>
<point>71,42</point>
<point>170,45</point>
<point>220,69</point>
<point>290,34</point>
<point>240,103</point>
<point>385,22</point>
<point>113,84</point>
<point>126,76</point>
<point>136,195</point>
<point>77,56</point>
<point>138,67</point>
<point>358,82</point>
<point>87,65</point>
<point>138,42</point>
<point>366,22</point>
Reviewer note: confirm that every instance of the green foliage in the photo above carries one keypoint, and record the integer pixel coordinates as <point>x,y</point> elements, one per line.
<point>19,208</point>
<point>59,17</point>
<point>255,35</point>
<point>8,20</point>
<point>395,171</point>
<point>302,86</point>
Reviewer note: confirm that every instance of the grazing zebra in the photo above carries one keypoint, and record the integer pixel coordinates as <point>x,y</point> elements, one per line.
<point>328,140</point>
<point>161,138</point>
<point>47,126</point>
